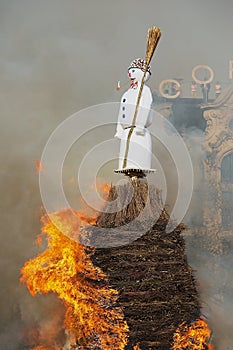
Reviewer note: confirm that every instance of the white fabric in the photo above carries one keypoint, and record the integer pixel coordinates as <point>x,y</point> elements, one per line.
<point>139,155</point>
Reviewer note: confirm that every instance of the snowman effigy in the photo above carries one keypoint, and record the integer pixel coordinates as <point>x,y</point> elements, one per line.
<point>134,116</point>
<point>139,151</point>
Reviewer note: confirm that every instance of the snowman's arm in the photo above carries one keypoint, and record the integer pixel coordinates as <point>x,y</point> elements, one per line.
<point>119,131</point>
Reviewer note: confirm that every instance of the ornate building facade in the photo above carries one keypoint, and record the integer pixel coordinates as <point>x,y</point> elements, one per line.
<point>213,125</point>
<point>218,165</point>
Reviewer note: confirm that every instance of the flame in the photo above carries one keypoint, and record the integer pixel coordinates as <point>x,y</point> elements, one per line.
<point>136,347</point>
<point>103,187</point>
<point>43,275</point>
<point>39,166</point>
<point>72,180</point>
<point>195,336</point>
<point>65,268</point>
<point>87,219</point>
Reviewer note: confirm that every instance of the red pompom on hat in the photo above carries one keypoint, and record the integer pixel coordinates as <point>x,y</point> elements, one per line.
<point>140,64</point>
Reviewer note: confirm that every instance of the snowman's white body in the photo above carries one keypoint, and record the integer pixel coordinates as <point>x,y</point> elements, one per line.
<point>140,147</point>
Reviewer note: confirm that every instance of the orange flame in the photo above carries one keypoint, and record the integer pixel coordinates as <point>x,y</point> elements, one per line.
<point>90,220</point>
<point>39,166</point>
<point>65,268</point>
<point>72,180</point>
<point>195,336</point>
<point>103,187</point>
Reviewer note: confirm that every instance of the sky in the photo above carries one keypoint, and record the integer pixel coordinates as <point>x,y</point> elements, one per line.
<point>58,57</point>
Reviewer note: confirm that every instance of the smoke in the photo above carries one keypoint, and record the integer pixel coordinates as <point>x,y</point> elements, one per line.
<point>58,57</point>
<point>208,254</point>
<point>214,276</point>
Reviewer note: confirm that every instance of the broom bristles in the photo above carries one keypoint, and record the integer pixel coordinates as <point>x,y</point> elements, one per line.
<point>153,37</point>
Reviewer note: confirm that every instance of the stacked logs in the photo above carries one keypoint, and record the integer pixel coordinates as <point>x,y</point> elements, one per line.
<point>146,265</point>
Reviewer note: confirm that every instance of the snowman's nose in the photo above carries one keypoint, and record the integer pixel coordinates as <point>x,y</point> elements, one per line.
<point>129,75</point>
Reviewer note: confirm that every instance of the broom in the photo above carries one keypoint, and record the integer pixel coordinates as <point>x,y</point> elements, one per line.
<point>153,37</point>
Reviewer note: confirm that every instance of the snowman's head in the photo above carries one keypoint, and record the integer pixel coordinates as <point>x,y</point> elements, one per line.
<point>136,70</point>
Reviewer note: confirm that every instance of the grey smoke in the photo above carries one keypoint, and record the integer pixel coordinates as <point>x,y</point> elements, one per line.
<point>58,57</point>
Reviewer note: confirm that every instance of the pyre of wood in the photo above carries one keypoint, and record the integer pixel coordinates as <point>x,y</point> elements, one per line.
<point>156,286</point>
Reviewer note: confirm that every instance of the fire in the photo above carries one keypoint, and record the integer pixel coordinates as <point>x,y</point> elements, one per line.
<point>103,187</point>
<point>192,337</point>
<point>65,268</point>
<point>72,180</point>
<point>39,166</point>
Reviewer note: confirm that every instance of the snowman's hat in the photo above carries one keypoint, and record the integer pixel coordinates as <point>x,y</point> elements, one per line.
<point>140,64</point>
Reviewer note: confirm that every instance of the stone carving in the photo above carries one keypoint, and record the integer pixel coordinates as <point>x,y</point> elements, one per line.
<point>218,143</point>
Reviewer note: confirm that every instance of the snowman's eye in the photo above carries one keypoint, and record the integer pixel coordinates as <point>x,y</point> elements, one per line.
<point>133,71</point>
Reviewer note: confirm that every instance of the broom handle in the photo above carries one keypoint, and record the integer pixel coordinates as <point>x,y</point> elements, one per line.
<point>134,118</point>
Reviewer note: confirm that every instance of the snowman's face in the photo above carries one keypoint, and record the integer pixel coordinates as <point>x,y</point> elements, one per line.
<point>136,74</point>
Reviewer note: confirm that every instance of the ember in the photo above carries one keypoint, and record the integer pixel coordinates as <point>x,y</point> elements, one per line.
<point>39,166</point>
